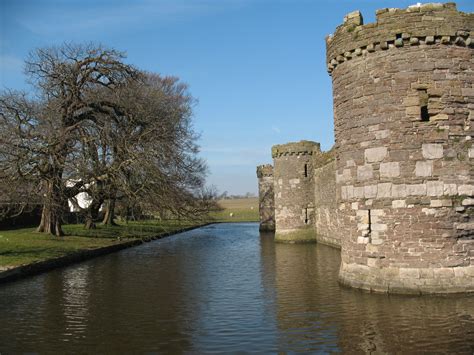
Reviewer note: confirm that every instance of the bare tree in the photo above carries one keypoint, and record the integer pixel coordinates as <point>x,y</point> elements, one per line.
<point>100,127</point>
<point>145,153</point>
<point>40,134</point>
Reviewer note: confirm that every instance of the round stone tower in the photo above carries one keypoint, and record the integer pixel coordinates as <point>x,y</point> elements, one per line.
<point>403,107</point>
<point>294,191</point>
<point>266,201</point>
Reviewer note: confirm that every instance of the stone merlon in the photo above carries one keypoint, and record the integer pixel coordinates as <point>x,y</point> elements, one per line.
<point>424,24</point>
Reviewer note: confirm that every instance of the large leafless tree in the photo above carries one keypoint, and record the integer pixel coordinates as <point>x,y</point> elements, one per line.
<point>99,126</point>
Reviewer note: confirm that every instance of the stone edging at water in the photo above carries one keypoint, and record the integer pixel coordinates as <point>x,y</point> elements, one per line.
<point>39,267</point>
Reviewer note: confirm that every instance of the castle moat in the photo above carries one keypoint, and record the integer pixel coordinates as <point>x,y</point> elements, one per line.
<point>223,288</point>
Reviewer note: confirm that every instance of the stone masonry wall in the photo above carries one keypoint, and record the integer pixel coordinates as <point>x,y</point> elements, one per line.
<point>326,213</point>
<point>266,201</point>
<point>294,191</point>
<point>403,108</point>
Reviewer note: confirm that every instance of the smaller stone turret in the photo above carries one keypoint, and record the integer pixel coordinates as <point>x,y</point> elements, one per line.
<point>294,191</point>
<point>266,198</point>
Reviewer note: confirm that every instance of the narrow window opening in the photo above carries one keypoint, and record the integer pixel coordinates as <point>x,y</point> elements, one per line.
<point>306,170</point>
<point>369,222</point>
<point>306,220</point>
<point>398,36</point>
<point>424,114</point>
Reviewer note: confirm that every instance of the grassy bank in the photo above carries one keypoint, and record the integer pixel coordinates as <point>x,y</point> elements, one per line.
<point>237,210</point>
<point>25,246</point>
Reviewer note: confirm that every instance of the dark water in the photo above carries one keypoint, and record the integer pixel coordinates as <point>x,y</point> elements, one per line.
<point>223,289</point>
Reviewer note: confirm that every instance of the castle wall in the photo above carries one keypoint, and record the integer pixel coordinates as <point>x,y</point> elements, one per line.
<point>326,213</point>
<point>294,191</point>
<point>266,201</point>
<point>403,100</point>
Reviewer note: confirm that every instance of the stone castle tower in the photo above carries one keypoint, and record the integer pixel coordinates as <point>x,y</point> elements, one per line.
<point>294,190</point>
<point>403,173</point>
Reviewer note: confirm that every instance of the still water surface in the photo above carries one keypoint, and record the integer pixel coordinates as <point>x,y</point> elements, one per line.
<point>223,288</point>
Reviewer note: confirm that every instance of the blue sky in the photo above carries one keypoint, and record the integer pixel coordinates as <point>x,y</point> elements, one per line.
<point>257,67</point>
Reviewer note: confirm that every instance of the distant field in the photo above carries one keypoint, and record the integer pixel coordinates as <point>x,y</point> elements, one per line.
<point>242,210</point>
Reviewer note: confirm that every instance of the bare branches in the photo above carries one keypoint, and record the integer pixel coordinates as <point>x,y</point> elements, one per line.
<point>101,127</point>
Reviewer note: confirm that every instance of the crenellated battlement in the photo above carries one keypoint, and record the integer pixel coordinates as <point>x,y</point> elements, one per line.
<point>418,25</point>
<point>264,171</point>
<point>296,148</point>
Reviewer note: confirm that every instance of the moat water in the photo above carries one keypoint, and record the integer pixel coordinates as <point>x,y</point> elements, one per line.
<point>222,289</point>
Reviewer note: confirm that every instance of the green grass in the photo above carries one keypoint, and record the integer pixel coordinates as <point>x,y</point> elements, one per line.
<point>243,210</point>
<point>136,229</point>
<point>24,246</point>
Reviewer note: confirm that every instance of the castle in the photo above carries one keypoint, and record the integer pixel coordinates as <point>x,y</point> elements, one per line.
<point>396,192</point>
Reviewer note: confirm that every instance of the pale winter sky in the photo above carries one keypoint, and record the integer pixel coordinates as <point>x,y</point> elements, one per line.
<point>257,67</point>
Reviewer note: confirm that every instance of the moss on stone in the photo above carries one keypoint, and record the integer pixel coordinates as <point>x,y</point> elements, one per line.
<point>307,235</point>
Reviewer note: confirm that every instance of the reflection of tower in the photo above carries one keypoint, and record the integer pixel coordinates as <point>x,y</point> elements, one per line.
<point>294,191</point>
<point>373,323</point>
<point>306,297</point>
<point>403,95</point>
<point>266,198</point>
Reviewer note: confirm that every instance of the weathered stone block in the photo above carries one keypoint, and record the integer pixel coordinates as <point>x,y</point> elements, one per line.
<point>416,190</point>
<point>399,204</point>
<point>412,101</point>
<point>294,182</point>
<point>359,192</point>
<point>435,188</point>
<point>377,241</point>
<point>469,226</point>
<point>409,273</point>
<point>469,92</point>
<point>466,190</point>
<point>424,168</point>
<point>399,190</point>
<point>450,189</point>
<point>432,151</point>
<point>373,155</point>
<point>440,117</point>
<point>468,202</point>
<point>363,240</point>
<point>428,211</point>
<point>370,191</point>
<point>413,111</point>
<point>382,134</point>
<point>384,190</point>
<point>388,170</point>
<point>365,172</point>
<point>441,203</point>
<point>443,273</point>
<point>471,152</point>
<point>380,227</point>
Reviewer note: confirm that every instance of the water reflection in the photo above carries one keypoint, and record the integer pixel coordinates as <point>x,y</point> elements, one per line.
<point>223,288</point>
<point>315,313</point>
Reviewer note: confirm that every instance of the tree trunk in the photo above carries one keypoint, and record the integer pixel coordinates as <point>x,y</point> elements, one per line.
<point>109,213</point>
<point>90,224</point>
<point>93,213</point>
<point>52,211</point>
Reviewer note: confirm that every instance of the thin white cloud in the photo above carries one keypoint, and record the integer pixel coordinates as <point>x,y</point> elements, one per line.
<point>276,129</point>
<point>109,16</point>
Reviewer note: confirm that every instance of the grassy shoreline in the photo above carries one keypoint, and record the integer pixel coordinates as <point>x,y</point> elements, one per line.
<point>25,246</point>
<point>21,247</point>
